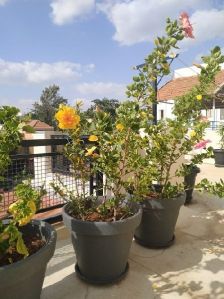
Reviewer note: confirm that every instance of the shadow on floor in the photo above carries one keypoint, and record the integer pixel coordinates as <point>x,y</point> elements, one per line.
<point>192,289</point>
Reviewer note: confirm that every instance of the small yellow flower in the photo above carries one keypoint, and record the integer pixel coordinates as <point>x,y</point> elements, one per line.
<point>93,138</point>
<point>119,127</point>
<point>67,117</point>
<point>192,133</point>
<point>199,97</point>
<point>90,151</point>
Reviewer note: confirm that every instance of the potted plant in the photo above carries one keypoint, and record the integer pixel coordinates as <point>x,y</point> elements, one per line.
<point>189,181</point>
<point>191,169</point>
<point>169,140</point>
<point>219,153</point>
<point>102,228</point>
<point>25,246</point>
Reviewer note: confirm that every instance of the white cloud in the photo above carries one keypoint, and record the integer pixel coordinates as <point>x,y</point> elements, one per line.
<point>3,2</point>
<point>138,20</point>
<point>65,11</point>
<point>33,72</point>
<point>101,89</point>
<point>208,24</point>
<point>24,104</point>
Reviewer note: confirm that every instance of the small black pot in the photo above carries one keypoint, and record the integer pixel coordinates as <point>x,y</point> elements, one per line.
<point>24,279</point>
<point>102,248</point>
<point>219,157</point>
<point>159,218</point>
<point>189,182</point>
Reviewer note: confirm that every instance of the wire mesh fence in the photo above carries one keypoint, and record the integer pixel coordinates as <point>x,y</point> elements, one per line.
<point>42,162</point>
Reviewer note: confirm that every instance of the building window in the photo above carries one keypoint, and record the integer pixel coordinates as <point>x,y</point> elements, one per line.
<point>222,114</point>
<point>161,114</point>
<point>209,113</point>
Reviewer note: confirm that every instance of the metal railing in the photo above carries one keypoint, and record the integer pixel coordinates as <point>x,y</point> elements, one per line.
<point>214,125</point>
<point>42,161</point>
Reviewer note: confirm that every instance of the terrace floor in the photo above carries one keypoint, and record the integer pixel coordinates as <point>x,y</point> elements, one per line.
<point>193,268</point>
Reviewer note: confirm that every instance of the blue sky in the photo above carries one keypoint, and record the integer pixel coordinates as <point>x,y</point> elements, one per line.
<point>88,47</point>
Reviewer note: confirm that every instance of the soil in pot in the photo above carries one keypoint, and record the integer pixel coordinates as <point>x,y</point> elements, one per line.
<point>33,244</point>
<point>219,157</point>
<point>102,248</point>
<point>24,278</point>
<point>159,218</point>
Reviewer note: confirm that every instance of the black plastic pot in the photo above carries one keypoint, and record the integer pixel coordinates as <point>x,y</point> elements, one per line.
<point>24,279</point>
<point>189,182</point>
<point>159,218</point>
<point>102,248</point>
<point>219,157</point>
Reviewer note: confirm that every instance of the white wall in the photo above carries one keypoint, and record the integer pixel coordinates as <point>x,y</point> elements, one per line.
<point>213,137</point>
<point>167,109</point>
<point>189,71</point>
<point>186,72</point>
<point>41,172</point>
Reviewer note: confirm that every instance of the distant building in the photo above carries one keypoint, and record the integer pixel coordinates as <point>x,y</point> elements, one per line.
<point>39,125</point>
<point>184,79</point>
<point>48,162</point>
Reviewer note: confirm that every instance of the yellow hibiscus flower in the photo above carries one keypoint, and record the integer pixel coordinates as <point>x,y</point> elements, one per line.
<point>119,127</point>
<point>93,138</point>
<point>67,118</point>
<point>199,97</point>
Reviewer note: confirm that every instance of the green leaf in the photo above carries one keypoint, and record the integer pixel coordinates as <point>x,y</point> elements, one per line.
<point>20,246</point>
<point>216,50</point>
<point>28,129</point>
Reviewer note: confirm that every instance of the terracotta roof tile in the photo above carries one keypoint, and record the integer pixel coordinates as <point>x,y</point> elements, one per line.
<point>178,87</point>
<point>39,125</point>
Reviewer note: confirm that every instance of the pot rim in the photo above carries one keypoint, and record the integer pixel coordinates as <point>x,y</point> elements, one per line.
<point>218,150</point>
<point>139,211</point>
<point>179,196</point>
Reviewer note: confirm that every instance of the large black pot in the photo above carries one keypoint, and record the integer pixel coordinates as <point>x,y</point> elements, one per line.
<point>102,248</point>
<point>159,218</point>
<point>219,157</point>
<point>189,182</point>
<point>24,279</point>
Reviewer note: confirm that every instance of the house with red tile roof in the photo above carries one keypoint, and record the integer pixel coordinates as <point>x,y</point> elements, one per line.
<point>38,125</point>
<point>184,79</point>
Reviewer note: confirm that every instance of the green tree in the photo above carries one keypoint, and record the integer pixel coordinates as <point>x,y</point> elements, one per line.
<point>48,104</point>
<point>106,105</point>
